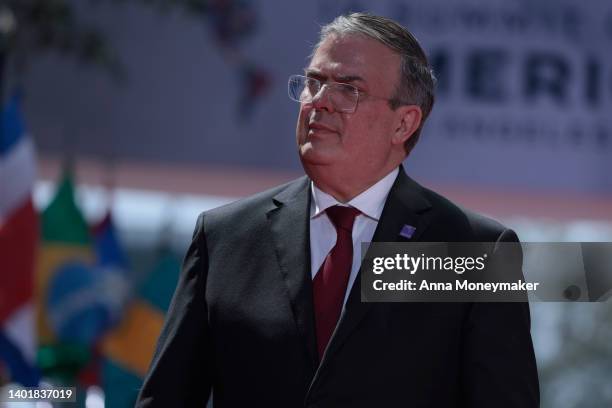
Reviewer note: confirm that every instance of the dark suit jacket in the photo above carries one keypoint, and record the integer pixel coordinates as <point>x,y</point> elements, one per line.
<point>242,323</point>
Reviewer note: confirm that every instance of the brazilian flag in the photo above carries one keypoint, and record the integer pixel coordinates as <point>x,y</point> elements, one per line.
<point>64,284</point>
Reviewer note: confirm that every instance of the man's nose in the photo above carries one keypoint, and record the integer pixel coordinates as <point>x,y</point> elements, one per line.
<point>322,99</point>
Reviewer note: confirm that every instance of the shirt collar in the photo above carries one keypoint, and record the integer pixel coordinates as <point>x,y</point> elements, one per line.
<point>370,202</point>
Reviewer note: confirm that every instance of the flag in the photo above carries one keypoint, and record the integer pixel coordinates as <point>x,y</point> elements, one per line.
<point>113,270</point>
<point>68,319</point>
<point>112,267</point>
<point>128,349</point>
<point>18,242</point>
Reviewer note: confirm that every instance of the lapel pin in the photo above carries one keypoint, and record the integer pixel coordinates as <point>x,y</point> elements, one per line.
<point>407,231</point>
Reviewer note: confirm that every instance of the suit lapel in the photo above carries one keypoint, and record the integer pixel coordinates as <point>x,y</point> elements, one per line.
<point>406,205</point>
<point>290,227</point>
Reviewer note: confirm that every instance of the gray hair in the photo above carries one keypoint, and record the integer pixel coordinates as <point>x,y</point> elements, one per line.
<point>417,80</point>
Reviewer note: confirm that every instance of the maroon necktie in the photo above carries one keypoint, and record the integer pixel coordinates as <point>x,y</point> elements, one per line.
<point>330,282</point>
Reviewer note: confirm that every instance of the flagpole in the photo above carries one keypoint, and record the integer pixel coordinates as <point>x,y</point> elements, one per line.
<point>7,28</point>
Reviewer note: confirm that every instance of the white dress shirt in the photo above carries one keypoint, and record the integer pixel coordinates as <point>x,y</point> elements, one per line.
<point>323,233</point>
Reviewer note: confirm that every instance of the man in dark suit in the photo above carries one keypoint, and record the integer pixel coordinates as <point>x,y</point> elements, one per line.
<point>268,311</point>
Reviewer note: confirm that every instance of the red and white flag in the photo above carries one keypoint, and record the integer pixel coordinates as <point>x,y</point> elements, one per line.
<point>19,235</point>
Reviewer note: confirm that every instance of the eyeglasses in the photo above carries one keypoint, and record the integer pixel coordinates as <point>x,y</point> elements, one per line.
<point>343,97</point>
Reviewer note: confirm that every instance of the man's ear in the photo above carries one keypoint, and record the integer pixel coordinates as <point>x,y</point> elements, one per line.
<point>408,121</point>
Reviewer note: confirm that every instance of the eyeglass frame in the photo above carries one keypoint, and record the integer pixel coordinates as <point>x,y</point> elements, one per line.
<point>332,83</point>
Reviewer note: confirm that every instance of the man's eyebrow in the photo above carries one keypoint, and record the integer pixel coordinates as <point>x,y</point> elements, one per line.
<point>339,78</point>
<point>312,73</point>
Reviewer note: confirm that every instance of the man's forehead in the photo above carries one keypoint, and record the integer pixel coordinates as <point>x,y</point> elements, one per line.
<point>352,56</point>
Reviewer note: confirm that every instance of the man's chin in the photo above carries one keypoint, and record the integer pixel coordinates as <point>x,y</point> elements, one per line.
<point>311,155</point>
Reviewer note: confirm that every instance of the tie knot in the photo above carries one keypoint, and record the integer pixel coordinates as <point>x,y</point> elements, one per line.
<point>342,217</point>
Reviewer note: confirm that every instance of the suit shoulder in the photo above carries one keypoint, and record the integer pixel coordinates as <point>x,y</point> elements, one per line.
<point>249,207</point>
<point>479,226</point>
